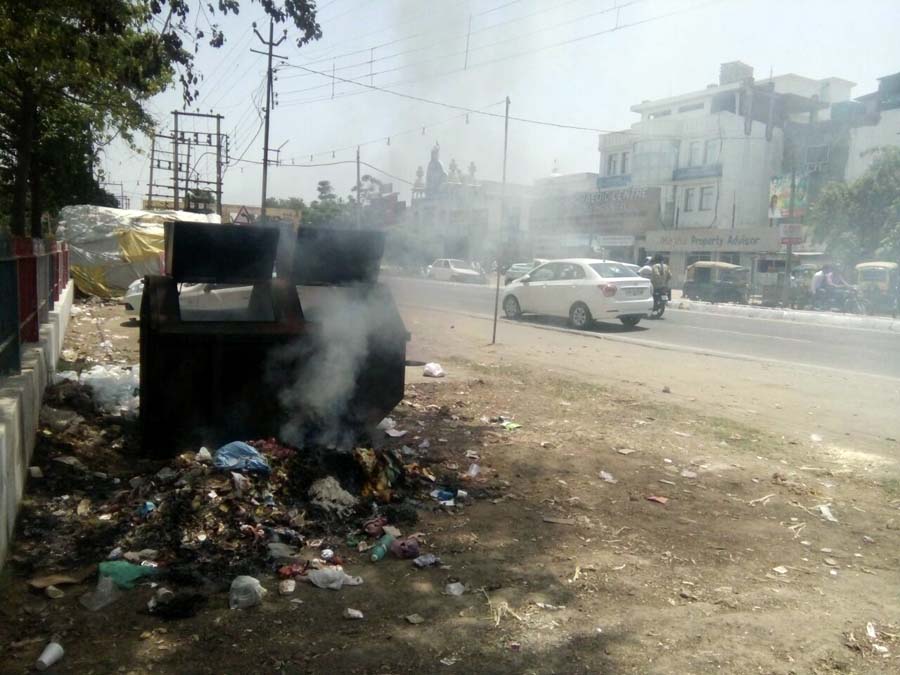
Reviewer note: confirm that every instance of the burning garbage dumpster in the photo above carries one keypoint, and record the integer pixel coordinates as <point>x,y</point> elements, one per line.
<point>317,352</point>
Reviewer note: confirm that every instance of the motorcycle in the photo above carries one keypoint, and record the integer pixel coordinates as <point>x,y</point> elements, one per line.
<point>842,299</point>
<point>660,300</point>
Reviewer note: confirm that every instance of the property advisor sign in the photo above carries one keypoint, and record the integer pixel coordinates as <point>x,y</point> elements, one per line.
<point>747,240</point>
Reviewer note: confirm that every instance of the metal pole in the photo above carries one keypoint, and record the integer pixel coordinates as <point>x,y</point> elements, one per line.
<point>152,159</point>
<point>468,35</point>
<point>175,163</point>
<point>265,173</point>
<point>502,219</point>
<point>358,194</point>
<point>790,246</point>
<point>187,177</point>
<point>219,164</point>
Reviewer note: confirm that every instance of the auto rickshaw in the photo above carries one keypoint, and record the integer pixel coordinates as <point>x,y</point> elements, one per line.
<point>801,282</point>
<point>879,284</point>
<point>714,281</point>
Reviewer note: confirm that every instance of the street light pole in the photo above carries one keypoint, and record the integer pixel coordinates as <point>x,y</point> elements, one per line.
<point>502,219</point>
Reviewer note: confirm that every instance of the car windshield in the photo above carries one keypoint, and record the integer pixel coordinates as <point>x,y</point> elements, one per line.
<point>612,270</point>
<point>460,264</point>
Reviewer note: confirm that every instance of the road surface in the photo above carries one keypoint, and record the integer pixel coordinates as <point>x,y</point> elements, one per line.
<point>851,350</point>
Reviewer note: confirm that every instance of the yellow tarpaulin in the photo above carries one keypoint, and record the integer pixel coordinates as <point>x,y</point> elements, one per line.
<point>140,245</point>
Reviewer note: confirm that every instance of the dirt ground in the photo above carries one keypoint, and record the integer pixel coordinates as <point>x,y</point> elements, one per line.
<point>567,569</point>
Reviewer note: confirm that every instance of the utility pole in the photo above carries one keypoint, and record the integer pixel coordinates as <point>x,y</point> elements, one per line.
<point>502,219</point>
<point>468,35</point>
<point>358,194</point>
<point>175,161</point>
<point>218,164</point>
<point>271,45</point>
<point>152,162</point>
<point>187,177</point>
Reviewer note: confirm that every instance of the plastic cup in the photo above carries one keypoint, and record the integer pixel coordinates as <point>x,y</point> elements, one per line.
<point>52,653</point>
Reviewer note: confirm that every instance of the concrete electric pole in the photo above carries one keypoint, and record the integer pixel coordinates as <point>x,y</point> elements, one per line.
<point>271,45</point>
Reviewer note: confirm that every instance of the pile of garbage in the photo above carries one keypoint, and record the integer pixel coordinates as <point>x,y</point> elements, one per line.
<point>116,389</point>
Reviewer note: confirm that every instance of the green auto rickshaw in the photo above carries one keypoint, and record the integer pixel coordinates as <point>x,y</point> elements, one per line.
<point>879,285</point>
<point>715,281</point>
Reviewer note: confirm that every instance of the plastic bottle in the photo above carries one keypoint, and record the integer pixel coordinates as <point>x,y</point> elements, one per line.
<point>381,548</point>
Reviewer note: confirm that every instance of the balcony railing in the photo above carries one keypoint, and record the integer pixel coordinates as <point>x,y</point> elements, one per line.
<point>619,181</point>
<point>692,172</point>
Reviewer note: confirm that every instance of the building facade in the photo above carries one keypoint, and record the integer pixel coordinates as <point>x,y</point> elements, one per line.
<point>454,214</point>
<point>713,154</point>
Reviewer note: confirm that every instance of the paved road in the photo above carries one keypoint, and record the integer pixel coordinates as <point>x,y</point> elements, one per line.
<point>847,349</point>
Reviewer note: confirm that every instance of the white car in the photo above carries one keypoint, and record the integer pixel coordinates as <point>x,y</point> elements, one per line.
<point>451,269</point>
<point>582,289</point>
<point>193,296</point>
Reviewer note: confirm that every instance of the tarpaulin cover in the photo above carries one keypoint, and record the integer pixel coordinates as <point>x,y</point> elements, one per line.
<point>109,248</point>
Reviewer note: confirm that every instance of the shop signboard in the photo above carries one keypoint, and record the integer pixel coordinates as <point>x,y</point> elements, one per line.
<point>742,240</point>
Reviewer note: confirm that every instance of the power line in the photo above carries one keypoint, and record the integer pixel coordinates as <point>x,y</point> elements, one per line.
<point>339,162</point>
<point>515,38</point>
<point>387,137</point>
<point>432,44</point>
<point>452,106</point>
<point>507,57</point>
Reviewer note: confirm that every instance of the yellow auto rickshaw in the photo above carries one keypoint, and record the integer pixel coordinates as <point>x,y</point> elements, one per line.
<point>715,281</point>
<point>879,285</point>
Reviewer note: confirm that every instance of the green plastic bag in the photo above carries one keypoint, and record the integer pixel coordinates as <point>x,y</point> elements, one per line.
<point>124,574</point>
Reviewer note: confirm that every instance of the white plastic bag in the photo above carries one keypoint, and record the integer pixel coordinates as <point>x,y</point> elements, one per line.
<point>332,578</point>
<point>114,387</point>
<point>433,370</point>
<point>245,592</point>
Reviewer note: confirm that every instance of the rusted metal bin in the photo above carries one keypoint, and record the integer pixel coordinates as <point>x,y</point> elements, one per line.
<point>214,370</point>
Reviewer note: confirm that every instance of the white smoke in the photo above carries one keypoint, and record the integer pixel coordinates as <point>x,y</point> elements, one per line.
<point>345,325</point>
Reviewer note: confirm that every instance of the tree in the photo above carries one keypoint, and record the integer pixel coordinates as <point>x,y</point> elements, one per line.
<point>328,210</point>
<point>861,220</point>
<point>98,63</point>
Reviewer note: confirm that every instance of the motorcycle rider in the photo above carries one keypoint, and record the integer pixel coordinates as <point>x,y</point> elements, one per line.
<point>660,277</point>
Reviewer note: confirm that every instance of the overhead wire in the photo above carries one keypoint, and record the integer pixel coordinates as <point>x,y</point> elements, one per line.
<point>469,33</point>
<point>471,66</point>
<point>477,48</point>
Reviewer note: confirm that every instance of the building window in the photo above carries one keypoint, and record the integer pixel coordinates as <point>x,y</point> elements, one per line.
<point>689,197</point>
<point>711,152</point>
<point>690,107</point>
<point>612,165</point>
<point>695,153</point>
<point>659,113</point>
<point>706,198</point>
<point>625,163</point>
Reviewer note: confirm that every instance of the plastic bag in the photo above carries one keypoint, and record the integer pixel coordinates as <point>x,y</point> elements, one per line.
<point>245,592</point>
<point>332,578</point>
<point>124,574</point>
<point>238,456</point>
<point>105,594</point>
<point>433,370</point>
<point>115,388</point>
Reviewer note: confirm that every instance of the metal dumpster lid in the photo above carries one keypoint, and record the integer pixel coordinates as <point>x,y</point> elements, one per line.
<point>220,254</point>
<point>335,256</point>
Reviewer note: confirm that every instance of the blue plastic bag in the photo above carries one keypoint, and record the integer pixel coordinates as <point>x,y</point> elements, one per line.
<point>238,456</point>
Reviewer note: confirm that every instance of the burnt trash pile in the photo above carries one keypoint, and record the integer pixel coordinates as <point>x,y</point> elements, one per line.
<point>210,516</point>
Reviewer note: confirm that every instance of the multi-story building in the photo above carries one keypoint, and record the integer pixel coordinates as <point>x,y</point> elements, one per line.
<point>713,153</point>
<point>877,124</point>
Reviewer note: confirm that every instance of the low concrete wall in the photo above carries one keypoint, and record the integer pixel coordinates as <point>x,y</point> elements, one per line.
<point>20,407</point>
<point>883,323</point>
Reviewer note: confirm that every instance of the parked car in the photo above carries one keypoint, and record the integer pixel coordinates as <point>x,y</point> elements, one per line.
<point>452,269</point>
<point>517,270</point>
<point>582,289</point>
<point>225,297</point>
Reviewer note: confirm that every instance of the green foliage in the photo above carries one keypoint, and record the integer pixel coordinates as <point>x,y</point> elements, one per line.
<point>93,65</point>
<point>861,220</point>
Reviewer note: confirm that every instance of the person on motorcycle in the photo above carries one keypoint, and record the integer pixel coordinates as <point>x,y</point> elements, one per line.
<point>647,270</point>
<point>660,277</point>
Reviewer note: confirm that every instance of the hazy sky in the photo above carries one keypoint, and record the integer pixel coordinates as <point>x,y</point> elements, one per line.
<point>661,48</point>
